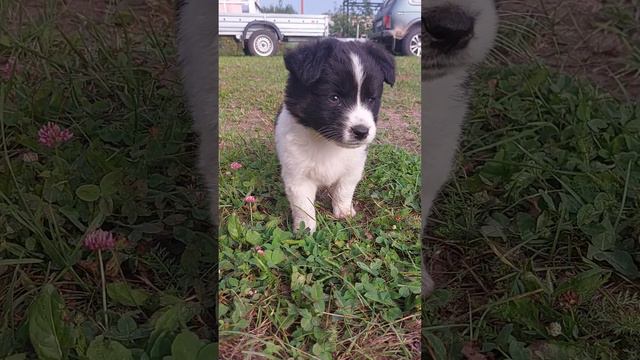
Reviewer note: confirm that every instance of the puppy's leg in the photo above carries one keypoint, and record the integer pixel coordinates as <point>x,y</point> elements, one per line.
<point>342,197</point>
<point>444,105</point>
<point>427,281</point>
<point>208,164</point>
<point>302,195</point>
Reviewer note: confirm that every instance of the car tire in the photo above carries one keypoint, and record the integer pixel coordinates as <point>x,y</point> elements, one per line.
<point>412,43</point>
<point>263,43</point>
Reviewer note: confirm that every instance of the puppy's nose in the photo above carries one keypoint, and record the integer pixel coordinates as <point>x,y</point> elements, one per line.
<point>360,131</point>
<point>449,28</point>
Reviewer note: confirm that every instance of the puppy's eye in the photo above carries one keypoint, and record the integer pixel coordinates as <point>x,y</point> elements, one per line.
<point>371,99</point>
<point>334,99</point>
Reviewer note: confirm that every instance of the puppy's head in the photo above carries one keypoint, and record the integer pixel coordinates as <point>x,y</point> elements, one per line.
<point>335,87</point>
<point>456,34</point>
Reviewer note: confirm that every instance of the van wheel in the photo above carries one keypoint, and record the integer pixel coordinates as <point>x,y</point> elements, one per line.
<point>412,43</point>
<point>263,43</point>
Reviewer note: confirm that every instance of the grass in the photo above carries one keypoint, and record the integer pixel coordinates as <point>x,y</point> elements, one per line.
<point>352,289</point>
<point>535,240</point>
<point>127,170</point>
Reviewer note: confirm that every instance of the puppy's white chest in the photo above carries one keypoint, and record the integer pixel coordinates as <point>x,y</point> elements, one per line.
<point>304,154</point>
<point>325,166</point>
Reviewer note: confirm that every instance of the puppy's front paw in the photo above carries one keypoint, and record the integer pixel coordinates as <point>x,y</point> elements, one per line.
<point>308,224</point>
<point>344,212</point>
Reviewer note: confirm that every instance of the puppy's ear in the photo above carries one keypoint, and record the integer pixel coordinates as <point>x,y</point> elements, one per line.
<point>305,62</point>
<point>385,61</point>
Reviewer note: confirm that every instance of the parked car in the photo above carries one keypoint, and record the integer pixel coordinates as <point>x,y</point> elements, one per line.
<point>397,26</point>
<point>260,33</point>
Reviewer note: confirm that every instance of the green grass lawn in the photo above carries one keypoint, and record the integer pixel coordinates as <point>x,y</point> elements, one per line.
<point>128,169</point>
<point>534,243</point>
<point>352,289</point>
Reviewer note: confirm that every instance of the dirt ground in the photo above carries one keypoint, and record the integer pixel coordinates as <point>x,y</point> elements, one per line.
<point>596,40</point>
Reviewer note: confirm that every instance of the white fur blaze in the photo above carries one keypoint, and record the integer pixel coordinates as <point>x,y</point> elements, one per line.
<point>359,114</point>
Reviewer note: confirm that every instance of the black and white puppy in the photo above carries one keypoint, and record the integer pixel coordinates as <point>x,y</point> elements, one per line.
<point>327,121</point>
<point>457,35</point>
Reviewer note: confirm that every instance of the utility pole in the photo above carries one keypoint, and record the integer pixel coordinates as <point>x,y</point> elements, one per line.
<point>348,15</point>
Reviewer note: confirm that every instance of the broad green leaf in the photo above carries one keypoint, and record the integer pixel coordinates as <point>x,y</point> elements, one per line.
<point>504,335</point>
<point>604,240</point>
<point>208,352</point>
<point>150,227</point>
<point>234,227</point>
<point>621,261</point>
<point>584,110</point>
<point>126,325</point>
<point>306,324</point>
<point>50,337</point>
<point>315,291</point>
<point>307,320</point>
<point>105,206</point>
<point>297,279</point>
<point>317,296</point>
<point>166,321</point>
<point>585,284</point>
<point>270,348</point>
<point>392,314</point>
<point>186,346</point>
<point>280,236</point>
<point>518,351</point>
<point>88,193</point>
<point>364,267</point>
<point>174,219</point>
<point>110,183</point>
<point>253,237</point>
<point>274,257</point>
<point>122,293</point>
<point>222,309</point>
<point>322,351</point>
<point>101,349</point>
<point>161,345</point>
